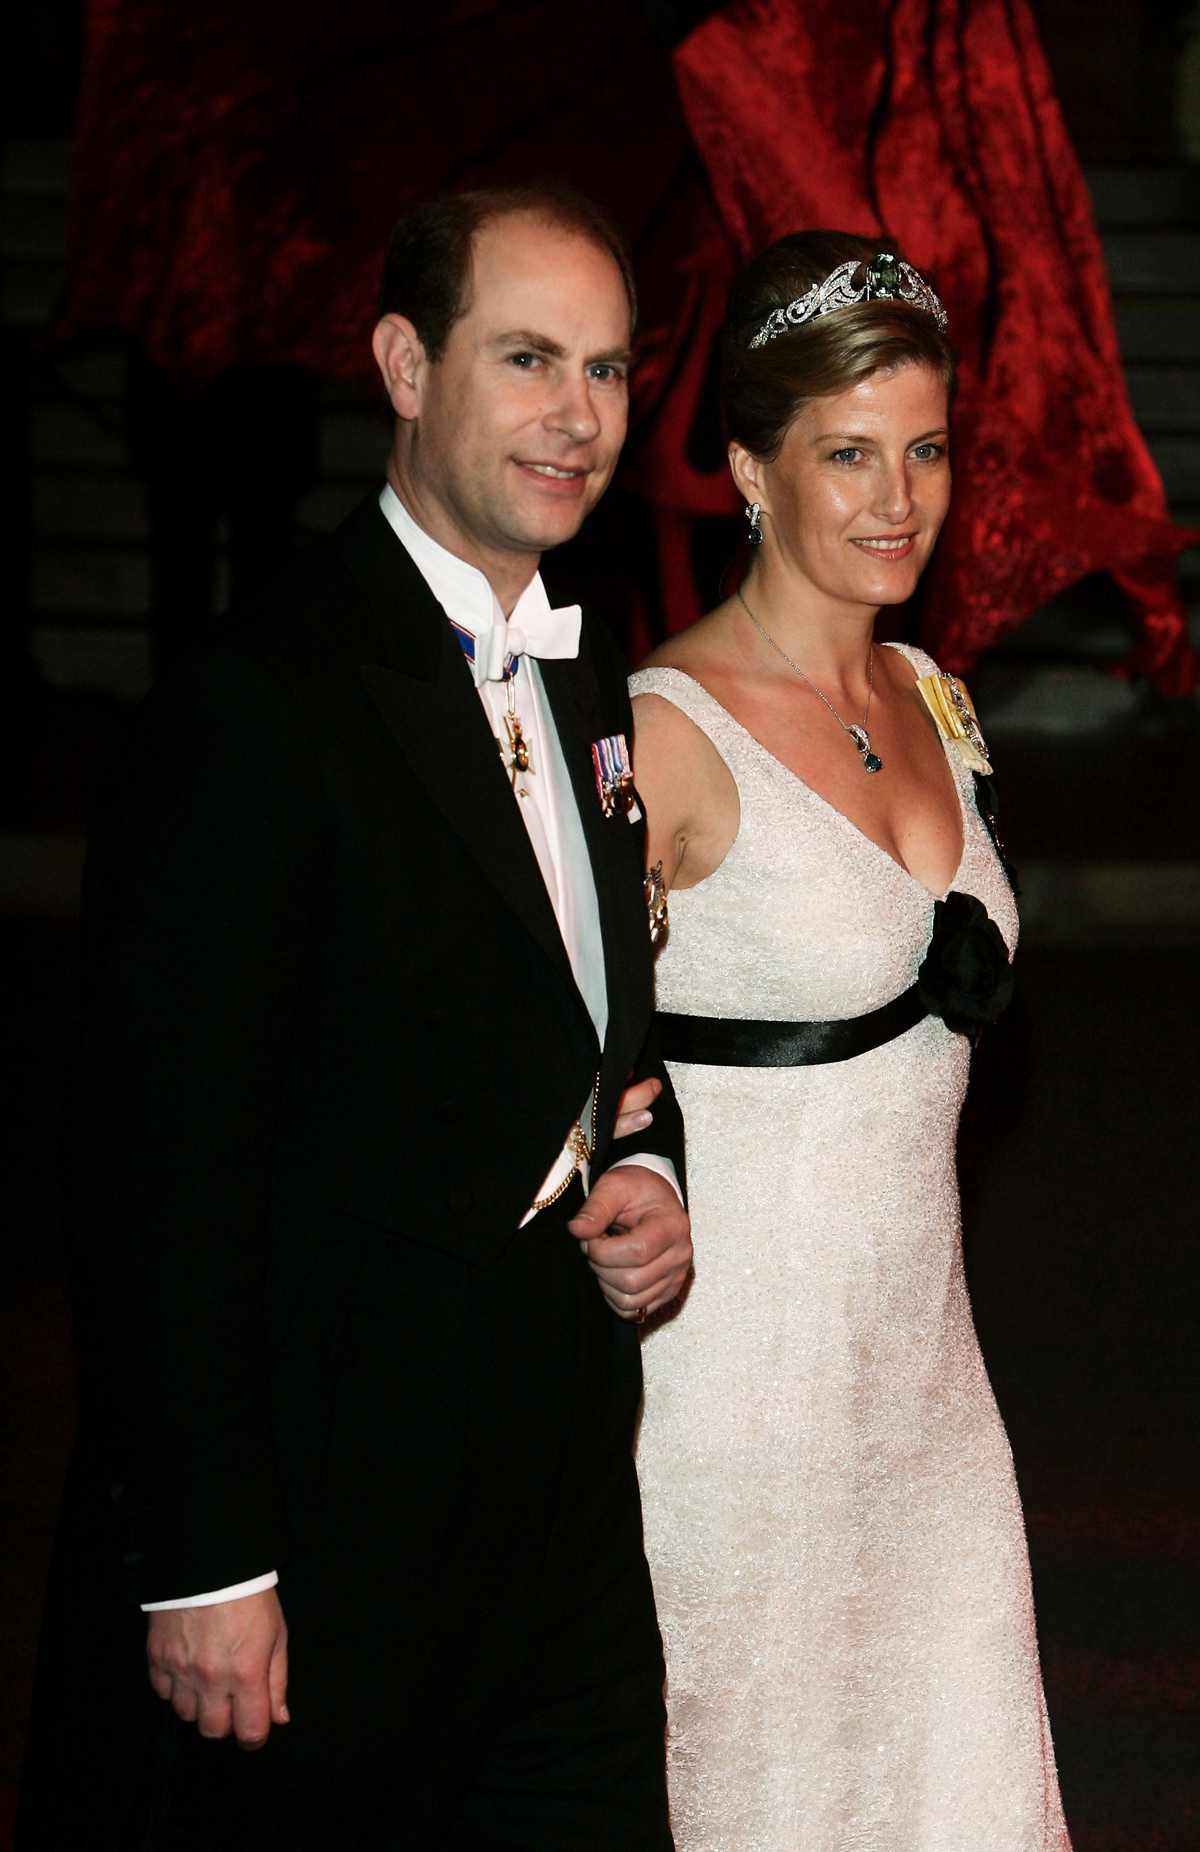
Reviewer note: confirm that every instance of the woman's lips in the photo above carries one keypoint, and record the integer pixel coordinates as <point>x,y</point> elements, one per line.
<point>889,547</point>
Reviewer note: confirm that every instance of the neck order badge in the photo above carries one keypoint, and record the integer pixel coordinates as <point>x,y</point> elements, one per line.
<point>518,762</point>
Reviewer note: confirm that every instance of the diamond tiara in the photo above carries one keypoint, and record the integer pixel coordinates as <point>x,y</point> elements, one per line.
<point>886,278</point>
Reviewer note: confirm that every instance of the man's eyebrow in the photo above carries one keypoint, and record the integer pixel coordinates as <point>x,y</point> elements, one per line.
<point>523,339</point>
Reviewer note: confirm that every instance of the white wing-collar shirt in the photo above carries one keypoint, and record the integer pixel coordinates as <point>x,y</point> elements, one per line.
<point>548,808</point>
<point>548,805</point>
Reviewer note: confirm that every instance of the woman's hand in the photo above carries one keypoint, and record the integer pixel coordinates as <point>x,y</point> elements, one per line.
<point>633,1112</point>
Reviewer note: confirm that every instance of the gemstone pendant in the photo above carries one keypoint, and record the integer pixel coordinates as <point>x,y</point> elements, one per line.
<point>870,759</point>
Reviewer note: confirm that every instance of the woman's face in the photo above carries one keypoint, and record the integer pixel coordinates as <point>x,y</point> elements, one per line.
<point>860,488</point>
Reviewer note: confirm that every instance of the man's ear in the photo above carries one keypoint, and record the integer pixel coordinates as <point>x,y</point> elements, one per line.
<point>400,356</point>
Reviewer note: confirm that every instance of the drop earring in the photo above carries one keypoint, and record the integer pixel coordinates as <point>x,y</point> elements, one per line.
<point>756,535</point>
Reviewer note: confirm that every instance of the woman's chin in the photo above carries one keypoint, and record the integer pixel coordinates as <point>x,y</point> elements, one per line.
<point>885,585</point>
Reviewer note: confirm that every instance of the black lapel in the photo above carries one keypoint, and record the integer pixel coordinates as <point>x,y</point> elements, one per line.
<point>428,701</point>
<point>572,691</point>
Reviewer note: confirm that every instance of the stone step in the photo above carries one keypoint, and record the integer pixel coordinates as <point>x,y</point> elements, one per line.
<point>1166,330</point>
<point>99,374</point>
<point>41,875</point>
<point>1090,903</point>
<point>76,437</point>
<point>84,507</point>
<point>33,226</point>
<point>1189,559</point>
<point>41,168</point>
<point>1178,460</point>
<point>1165,398</point>
<point>33,231</point>
<point>1054,700</point>
<point>111,659</point>
<point>1155,263</point>
<point>1144,197</point>
<point>91,582</point>
<point>31,295</point>
<point>1073,628</point>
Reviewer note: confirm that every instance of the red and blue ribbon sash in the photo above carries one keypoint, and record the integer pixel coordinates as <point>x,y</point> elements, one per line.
<point>511,663</point>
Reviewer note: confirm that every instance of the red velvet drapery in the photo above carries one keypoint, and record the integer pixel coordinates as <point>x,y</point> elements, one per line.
<point>936,121</point>
<point>238,168</point>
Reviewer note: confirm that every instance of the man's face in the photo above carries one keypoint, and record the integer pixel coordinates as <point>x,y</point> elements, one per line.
<point>520,423</point>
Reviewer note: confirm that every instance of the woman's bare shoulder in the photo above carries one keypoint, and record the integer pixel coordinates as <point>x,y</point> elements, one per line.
<point>696,650</point>
<point>663,729</point>
<point>689,793</point>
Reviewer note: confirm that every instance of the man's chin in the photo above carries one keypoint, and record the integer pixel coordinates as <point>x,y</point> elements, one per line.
<point>539,530</point>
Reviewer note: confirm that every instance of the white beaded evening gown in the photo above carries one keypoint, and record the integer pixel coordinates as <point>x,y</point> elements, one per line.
<point>832,1520</point>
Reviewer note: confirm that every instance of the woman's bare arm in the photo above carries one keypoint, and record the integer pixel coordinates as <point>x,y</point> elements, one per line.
<point>691,800</point>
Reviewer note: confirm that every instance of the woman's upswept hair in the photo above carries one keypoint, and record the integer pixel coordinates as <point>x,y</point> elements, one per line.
<point>764,388</point>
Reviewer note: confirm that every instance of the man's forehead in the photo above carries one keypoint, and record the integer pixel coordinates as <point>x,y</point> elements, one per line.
<point>518,260</point>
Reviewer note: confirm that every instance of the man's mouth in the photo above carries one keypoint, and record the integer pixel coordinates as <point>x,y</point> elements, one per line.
<point>553,471</point>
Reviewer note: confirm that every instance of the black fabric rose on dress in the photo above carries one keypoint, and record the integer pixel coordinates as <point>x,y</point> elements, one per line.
<point>966,978</point>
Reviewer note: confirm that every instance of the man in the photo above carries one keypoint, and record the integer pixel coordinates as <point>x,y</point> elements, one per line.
<point>367,969</point>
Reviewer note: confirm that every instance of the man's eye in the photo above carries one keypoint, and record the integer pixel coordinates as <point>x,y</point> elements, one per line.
<point>603,370</point>
<point>523,360</point>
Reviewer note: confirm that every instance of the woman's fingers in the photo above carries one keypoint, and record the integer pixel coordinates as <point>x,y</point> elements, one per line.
<point>633,1113</point>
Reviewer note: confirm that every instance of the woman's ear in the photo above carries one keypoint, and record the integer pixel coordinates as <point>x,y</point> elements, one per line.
<point>746,470</point>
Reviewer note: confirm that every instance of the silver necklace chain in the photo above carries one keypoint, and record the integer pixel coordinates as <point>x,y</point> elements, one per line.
<point>871,760</point>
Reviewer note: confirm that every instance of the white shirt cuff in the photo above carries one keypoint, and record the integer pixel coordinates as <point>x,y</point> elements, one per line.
<point>663,1166</point>
<point>233,1593</point>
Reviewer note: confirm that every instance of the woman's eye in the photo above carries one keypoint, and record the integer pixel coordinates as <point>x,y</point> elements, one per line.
<point>846,456</point>
<point>927,453</point>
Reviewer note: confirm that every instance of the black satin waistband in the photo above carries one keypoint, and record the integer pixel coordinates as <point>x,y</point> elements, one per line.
<point>731,1041</point>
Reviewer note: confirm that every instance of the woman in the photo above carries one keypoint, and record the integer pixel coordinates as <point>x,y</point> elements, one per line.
<point>831,1516</point>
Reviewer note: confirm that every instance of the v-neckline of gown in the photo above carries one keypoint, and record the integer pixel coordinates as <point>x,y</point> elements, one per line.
<point>833,810</point>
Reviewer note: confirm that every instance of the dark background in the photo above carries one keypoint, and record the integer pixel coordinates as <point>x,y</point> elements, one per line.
<point>1080,1137</point>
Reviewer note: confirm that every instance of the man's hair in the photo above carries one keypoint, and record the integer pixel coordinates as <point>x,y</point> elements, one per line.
<point>427,270</point>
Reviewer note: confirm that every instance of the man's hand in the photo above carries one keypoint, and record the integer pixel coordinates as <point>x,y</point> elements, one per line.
<point>637,1237</point>
<point>223,1667</point>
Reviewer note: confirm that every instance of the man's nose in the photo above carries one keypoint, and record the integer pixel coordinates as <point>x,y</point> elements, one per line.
<point>573,411</point>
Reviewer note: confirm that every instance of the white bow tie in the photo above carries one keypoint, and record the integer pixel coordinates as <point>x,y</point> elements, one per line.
<point>534,629</point>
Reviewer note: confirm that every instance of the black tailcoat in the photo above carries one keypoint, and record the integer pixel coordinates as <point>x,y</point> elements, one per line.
<point>332,1046</point>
